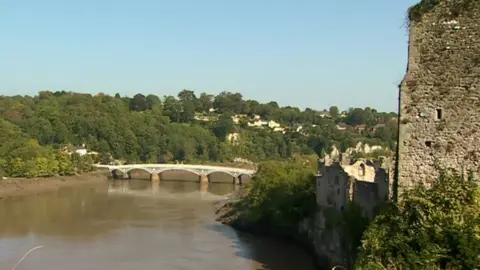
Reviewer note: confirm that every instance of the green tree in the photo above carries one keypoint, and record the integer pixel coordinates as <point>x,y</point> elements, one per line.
<point>281,194</point>
<point>138,103</point>
<point>334,111</point>
<point>152,101</point>
<point>223,127</point>
<point>205,102</point>
<point>434,228</point>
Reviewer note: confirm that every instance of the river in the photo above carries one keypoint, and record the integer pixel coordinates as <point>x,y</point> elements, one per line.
<point>130,224</point>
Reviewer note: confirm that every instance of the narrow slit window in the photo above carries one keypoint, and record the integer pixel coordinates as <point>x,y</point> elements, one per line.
<point>439,114</point>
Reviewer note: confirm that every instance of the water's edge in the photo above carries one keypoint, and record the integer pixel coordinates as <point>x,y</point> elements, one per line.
<point>25,186</point>
<point>226,214</point>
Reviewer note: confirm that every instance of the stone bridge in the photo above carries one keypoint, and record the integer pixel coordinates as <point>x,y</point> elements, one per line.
<point>203,171</point>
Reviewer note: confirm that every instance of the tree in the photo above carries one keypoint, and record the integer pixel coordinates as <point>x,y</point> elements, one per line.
<point>229,102</point>
<point>172,108</point>
<point>138,103</point>
<point>205,102</point>
<point>280,195</point>
<point>223,127</point>
<point>333,111</point>
<point>152,100</point>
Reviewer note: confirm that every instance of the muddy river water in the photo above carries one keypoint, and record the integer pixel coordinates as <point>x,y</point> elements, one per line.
<point>130,224</point>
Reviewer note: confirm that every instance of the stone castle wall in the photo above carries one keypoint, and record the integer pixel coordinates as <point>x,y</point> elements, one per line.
<point>439,104</point>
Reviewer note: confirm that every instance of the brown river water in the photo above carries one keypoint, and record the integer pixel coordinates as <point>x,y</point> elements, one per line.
<point>130,224</point>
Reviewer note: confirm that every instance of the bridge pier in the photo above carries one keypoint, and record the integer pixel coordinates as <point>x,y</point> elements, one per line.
<point>155,178</point>
<point>203,187</point>
<point>204,178</point>
<point>155,187</point>
<point>237,180</point>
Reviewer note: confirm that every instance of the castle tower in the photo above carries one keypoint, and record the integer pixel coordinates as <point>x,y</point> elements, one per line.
<point>439,100</point>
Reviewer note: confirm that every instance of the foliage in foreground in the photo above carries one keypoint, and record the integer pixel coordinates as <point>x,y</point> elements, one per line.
<point>437,228</point>
<point>281,193</point>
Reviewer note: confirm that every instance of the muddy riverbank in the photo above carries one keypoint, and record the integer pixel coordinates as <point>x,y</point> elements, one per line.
<point>226,213</point>
<point>24,186</point>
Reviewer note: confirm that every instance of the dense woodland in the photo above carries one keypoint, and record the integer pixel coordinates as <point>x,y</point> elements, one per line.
<point>151,129</point>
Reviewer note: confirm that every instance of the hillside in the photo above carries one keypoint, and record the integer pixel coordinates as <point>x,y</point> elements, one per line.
<point>37,131</point>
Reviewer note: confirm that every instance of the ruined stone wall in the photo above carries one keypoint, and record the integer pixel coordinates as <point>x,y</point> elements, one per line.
<point>382,180</point>
<point>439,104</point>
<point>332,187</point>
<point>366,196</point>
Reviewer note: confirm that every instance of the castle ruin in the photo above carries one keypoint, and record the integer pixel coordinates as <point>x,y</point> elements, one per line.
<point>439,99</point>
<point>342,179</point>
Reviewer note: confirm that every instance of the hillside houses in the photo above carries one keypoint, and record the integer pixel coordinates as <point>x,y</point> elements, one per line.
<point>80,150</point>
<point>257,121</point>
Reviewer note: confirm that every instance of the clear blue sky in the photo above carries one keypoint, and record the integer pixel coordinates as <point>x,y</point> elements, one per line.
<point>307,53</point>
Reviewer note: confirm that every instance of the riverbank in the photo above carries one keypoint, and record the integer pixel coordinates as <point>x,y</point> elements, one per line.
<point>24,186</point>
<point>226,213</point>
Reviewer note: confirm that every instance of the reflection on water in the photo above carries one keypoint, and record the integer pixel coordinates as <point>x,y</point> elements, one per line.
<point>132,224</point>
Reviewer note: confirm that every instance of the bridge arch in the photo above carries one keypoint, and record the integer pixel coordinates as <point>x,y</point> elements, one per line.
<point>221,176</point>
<point>197,173</point>
<point>140,173</point>
<point>245,175</point>
<point>245,178</point>
<point>118,173</point>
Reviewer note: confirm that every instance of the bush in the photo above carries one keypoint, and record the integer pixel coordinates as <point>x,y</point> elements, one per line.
<point>281,194</point>
<point>433,228</point>
<point>416,11</point>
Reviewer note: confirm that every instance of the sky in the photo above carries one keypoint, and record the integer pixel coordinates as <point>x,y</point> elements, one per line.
<point>305,53</point>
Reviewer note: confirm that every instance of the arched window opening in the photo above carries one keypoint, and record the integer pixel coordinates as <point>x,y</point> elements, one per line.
<point>361,170</point>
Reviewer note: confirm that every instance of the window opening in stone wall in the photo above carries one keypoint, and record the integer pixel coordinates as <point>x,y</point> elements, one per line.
<point>429,143</point>
<point>439,114</point>
<point>338,192</point>
<point>361,169</point>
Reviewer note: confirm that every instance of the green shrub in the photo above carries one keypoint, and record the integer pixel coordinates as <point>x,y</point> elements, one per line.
<point>416,11</point>
<point>436,228</point>
<point>281,193</point>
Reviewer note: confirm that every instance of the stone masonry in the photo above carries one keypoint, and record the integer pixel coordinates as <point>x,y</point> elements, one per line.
<point>342,179</point>
<point>439,101</point>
